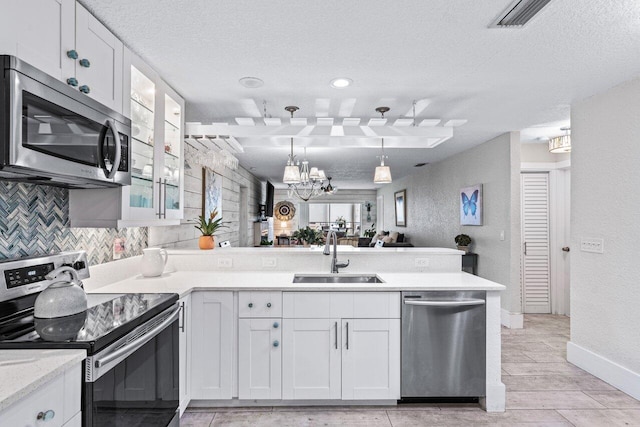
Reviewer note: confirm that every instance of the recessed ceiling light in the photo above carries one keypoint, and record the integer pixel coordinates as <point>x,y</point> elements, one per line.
<point>341,82</point>
<point>251,82</point>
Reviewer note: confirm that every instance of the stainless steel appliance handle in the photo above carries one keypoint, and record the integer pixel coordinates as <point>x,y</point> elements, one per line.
<point>182,317</point>
<point>118,156</point>
<point>454,303</point>
<point>135,345</point>
<point>336,341</point>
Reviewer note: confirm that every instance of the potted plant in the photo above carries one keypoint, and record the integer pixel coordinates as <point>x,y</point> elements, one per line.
<point>207,227</point>
<point>308,236</point>
<point>462,242</point>
<point>341,222</point>
<point>371,231</point>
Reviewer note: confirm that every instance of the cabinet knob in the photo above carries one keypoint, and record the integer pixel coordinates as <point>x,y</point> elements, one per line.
<point>269,304</point>
<point>84,89</point>
<point>72,81</point>
<point>72,54</point>
<point>84,62</point>
<point>276,324</point>
<point>250,305</point>
<point>276,343</point>
<point>46,415</point>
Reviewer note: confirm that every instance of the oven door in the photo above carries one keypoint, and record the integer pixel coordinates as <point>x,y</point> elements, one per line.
<point>135,381</point>
<point>54,135</point>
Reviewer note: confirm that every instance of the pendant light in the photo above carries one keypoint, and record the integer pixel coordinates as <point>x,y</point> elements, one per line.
<point>383,173</point>
<point>291,170</point>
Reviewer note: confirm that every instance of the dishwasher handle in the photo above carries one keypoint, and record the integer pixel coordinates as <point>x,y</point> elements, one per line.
<point>453,303</point>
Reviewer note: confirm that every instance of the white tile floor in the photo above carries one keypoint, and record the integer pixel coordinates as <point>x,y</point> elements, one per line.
<point>543,389</point>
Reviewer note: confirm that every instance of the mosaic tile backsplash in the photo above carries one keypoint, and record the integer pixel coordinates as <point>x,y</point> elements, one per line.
<point>34,220</point>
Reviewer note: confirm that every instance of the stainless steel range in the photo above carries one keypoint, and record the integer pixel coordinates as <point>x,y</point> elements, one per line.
<point>130,377</point>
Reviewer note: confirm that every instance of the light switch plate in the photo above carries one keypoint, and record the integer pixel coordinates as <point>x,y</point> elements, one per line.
<point>592,245</point>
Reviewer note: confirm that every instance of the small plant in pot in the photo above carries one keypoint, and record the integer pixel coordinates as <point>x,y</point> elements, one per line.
<point>462,242</point>
<point>370,232</point>
<point>308,236</point>
<point>207,227</point>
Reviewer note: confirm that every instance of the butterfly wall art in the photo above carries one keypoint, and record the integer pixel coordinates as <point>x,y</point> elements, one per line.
<point>471,205</point>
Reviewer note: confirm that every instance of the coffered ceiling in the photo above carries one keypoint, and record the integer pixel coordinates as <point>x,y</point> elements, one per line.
<point>439,53</point>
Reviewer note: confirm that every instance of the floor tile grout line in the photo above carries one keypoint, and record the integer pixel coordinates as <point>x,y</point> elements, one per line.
<point>212,419</point>
<point>389,418</point>
<point>558,412</point>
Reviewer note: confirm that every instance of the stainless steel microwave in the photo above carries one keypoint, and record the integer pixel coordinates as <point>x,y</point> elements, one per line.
<point>52,134</point>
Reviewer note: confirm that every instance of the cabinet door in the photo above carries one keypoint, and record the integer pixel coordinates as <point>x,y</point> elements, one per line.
<point>185,352</point>
<point>311,359</point>
<point>259,359</point>
<point>103,50</point>
<point>40,32</point>
<point>171,149</point>
<point>370,359</point>
<point>212,335</point>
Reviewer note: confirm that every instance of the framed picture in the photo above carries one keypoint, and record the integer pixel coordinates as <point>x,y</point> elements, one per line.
<point>211,192</point>
<point>471,205</point>
<point>401,208</point>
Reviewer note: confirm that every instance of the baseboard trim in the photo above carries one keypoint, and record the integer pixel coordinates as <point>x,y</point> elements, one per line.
<point>511,320</point>
<point>618,376</point>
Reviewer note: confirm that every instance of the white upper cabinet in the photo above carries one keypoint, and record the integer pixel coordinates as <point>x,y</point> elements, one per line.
<point>61,38</point>
<point>98,68</point>
<point>155,196</point>
<point>40,32</point>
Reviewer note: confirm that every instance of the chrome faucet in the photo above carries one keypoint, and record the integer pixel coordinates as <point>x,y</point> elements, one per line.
<point>335,265</point>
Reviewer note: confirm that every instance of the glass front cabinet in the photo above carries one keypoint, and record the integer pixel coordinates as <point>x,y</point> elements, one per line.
<point>155,196</point>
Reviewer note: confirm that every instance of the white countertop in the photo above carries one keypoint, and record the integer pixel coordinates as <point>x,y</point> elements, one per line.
<point>184,282</point>
<point>23,371</point>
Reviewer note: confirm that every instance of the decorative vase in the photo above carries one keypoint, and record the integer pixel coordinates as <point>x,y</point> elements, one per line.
<point>206,242</point>
<point>464,248</point>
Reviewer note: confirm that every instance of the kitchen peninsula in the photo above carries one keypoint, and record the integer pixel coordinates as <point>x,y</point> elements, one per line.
<point>245,325</point>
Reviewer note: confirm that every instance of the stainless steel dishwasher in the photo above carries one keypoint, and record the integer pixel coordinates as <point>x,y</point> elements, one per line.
<point>443,344</point>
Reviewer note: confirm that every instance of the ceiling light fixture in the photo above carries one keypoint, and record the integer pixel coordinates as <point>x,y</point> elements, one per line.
<point>291,170</point>
<point>383,173</point>
<point>330,189</point>
<point>561,144</point>
<point>251,82</point>
<point>341,82</point>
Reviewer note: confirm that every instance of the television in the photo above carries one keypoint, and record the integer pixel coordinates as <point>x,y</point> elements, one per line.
<point>268,192</point>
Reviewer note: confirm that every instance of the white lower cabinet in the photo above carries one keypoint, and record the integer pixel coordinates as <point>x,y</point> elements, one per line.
<point>311,354</point>
<point>185,352</point>
<point>338,356</point>
<point>259,358</point>
<point>371,359</point>
<point>55,404</point>
<point>212,335</point>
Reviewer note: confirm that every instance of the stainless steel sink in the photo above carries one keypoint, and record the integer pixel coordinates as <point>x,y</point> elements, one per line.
<point>337,278</point>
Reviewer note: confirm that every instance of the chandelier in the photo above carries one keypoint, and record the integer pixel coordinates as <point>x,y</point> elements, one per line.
<point>304,183</point>
<point>562,143</point>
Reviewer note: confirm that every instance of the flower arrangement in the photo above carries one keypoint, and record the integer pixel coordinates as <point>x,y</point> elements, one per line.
<point>209,226</point>
<point>341,222</point>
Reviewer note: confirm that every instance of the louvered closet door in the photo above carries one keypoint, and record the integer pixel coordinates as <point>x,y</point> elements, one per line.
<point>535,242</point>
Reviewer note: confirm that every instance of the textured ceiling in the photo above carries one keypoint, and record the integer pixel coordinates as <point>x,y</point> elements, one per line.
<point>395,52</point>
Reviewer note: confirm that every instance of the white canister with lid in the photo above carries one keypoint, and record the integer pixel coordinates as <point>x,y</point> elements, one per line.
<point>153,261</point>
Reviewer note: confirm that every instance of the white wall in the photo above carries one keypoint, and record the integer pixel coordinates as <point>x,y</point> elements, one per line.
<point>605,203</point>
<point>433,208</point>
<point>539,153</point>
<point>185,235</point>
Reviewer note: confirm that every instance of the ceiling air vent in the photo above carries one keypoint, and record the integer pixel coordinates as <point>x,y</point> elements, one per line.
<point>518,13</point>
